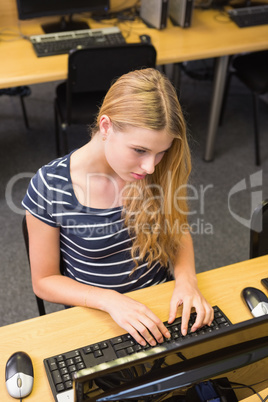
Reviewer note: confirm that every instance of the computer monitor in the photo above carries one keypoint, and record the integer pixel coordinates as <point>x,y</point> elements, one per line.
<point>28,9</point>
<point>238,351</point>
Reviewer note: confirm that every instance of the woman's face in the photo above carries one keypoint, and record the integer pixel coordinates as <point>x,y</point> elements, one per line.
<point>134,153</point>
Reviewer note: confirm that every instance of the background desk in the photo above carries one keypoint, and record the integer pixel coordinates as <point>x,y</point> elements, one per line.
<point>49,335</point>
<point>211,35</point>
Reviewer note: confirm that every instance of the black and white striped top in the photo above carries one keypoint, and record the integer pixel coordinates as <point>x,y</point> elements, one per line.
<point>95,244</point>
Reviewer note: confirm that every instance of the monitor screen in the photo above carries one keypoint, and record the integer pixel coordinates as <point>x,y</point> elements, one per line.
<point>168,370</point>
<point>28,9</point>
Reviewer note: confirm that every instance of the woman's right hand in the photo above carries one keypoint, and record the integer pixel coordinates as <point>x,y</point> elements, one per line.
<point>137,319</point>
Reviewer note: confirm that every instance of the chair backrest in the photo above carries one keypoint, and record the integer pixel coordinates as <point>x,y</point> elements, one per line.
<point>252,69</point>
<point>94,69</point>
<point>40,302</point>
<point>259,231</point>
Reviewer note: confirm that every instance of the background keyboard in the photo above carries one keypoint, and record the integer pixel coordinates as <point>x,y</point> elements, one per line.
<point>63,42</point>
<point>60,368</point>
<point>249,16</point>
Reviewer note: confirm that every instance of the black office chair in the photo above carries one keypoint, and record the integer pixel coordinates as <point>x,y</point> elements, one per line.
<point>40,302</point>
<point>252,70</point>
<point>22,92</point>
<point>90,74</point>
<point>259,231</point>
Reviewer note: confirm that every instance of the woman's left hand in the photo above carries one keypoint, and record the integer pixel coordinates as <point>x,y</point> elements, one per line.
<point>186,293</point>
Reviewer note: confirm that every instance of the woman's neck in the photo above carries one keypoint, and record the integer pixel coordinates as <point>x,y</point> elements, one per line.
<point>95,184</point>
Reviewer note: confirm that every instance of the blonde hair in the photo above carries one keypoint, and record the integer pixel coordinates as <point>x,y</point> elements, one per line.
<point>147,99</point>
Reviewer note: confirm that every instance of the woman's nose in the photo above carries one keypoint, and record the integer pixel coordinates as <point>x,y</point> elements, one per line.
<point>148,165</point>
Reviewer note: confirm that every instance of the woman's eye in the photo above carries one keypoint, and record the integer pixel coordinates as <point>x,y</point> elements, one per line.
<point>139,151</point>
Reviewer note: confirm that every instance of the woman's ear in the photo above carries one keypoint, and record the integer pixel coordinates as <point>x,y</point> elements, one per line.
<point>105,126</point>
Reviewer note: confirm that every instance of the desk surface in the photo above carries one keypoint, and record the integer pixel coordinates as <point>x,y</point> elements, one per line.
<point>58,332</point>
<point>211,35</point>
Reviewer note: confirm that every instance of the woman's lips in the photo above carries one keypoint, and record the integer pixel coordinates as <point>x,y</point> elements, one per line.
<point>138,176</point>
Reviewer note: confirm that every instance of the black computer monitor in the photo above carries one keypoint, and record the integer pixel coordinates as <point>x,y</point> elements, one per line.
<point>28,9</point>
<point>237,351</point>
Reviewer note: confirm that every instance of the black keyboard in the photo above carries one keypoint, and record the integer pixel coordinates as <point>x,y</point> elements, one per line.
<point>63,42</point>
<point>249,16</point>
<point>60,368</point>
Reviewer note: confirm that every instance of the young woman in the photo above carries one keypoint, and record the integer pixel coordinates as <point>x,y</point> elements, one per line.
<point>115,211</point>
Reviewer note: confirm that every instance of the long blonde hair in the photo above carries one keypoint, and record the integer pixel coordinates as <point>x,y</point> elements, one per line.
<point>156,221</point>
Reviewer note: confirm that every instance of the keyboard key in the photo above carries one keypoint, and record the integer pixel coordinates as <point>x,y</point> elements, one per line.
<point>98,353</point>
<point>72,369</point>
<point>52,364</point>
<point>103,345</point>
<point>64,371</point>
<point>61,364</point>
<point>66,377</point>
<point>123,345</point>
<point>137,348</point>
<point>130,350</point>
<point>121,353</point>
<point>87,350</point>
<point>60,387</point>
<point>56,377</point>
<point>69,385</point>
<point>59,358</point>
<point>80,366</point>
<point>71,355</point>
<point>115,341</point>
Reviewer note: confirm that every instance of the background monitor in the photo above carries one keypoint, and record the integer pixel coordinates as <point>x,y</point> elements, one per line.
<point>238,352</point>
<point>29,9</point>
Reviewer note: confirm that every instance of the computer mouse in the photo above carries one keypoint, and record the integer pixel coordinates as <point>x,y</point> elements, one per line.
<point>256,301</point>
<point>145,38</point>
<point>19,375</point>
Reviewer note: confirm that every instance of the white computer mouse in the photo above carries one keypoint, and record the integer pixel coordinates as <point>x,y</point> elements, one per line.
<point>19,375</point>
<point>256,301</point>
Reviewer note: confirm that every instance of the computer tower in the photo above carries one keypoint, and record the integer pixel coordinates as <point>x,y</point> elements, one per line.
<point>180,12</point>
<point>154,13</point>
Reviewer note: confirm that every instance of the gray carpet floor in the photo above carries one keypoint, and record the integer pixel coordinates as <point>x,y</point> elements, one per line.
<point>222,192</point>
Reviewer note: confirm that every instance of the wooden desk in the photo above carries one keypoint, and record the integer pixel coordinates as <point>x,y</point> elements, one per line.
<point>211,35</point>
<point>54,333</point>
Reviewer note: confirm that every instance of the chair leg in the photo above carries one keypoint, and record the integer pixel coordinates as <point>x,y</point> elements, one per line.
<point>57,133</point>
<point>256,128</point>
<point>41,306</point>
<point>60,128</point>
<point>176,78</point>
<point>225,96</point>
<point>24,112</point>
<point>65,138</point>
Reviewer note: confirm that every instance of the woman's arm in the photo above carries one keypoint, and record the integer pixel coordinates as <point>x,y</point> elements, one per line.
<point>50,285</point>
<point>186,290</point>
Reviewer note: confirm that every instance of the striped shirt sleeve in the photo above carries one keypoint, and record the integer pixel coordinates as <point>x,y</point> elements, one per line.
<point>38,199</point>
